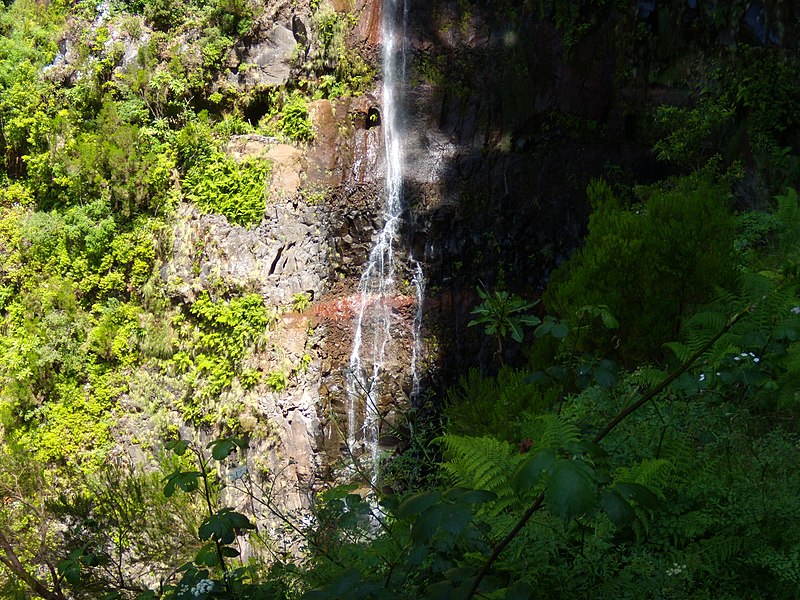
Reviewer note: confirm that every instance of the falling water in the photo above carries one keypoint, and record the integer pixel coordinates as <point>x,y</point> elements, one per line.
<point>377,285</point>
<point>416,349</point>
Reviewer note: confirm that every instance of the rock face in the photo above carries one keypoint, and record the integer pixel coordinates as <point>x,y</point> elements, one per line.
<point>283,256</point>
<point>504,125</point>
<point>269,61</point>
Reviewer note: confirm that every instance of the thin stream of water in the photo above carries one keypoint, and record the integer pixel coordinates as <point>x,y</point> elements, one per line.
<point>377,285</point>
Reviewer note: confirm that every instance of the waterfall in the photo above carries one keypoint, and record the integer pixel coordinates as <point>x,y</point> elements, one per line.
<point>416,349</point>
<point>376,288</point>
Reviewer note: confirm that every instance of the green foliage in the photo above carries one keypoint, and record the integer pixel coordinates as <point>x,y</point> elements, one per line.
<point>301,301</point>
<point>294,121</point>
<point>481,463</point>
<point>277,380</point>
<point>500,313</point>
<point>576,19</point>
<point>214,345</point>
<point>234,17</point>
<point>340,70</point>
<point>237,190</point>
<point>503,314</point>
<point>693,495</point>
<point>746,112</point>
<point>483,405</point>
<point>649,264</point>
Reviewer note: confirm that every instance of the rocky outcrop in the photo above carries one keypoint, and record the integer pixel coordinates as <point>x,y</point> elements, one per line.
<point>285,255</point>
<point>268,62</point>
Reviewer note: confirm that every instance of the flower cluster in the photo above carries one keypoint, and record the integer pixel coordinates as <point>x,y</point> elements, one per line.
<point>746,355</point>
<point>675,569</point>
<point>203,587</point>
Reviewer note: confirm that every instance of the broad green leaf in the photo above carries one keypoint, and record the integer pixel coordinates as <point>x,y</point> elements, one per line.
<point>588,448</point>
<point>467,496</point>
<point>179,447</point>
<point>545,328</point>
<point>617,508</point>
<point>207,555</point>
<point>70,569</point>
<point>417,504</point>
<point>639,493</point>
<point>570,491</point>
<point>222,526</point>
<point>185,480</point>
<point>337,493</point>
<point>529,320</point>
<point>452,518</point>
<point>604,377</point>
<point>222,448</point>
<point>516,332</point>
<point>531,470</point>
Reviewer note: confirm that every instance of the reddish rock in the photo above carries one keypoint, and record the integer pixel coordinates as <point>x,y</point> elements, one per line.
<point>368,29</point>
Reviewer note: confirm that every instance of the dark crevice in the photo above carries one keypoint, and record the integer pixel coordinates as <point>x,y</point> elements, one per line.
<point>274,264</point>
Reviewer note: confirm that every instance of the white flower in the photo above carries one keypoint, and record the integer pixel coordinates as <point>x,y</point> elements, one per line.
<point>796,310</point>
<point>702,377</point>
<point>676,569</point>
<point>202,587</point>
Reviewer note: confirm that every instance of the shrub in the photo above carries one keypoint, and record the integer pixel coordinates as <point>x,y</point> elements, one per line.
<point>650,264</point>
<point>236,190</point>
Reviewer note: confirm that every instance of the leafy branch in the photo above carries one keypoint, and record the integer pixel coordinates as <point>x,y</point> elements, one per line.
<point>612,424</point>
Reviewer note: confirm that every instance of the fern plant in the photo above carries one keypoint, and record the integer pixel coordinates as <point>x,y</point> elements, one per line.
<point>482,463</point>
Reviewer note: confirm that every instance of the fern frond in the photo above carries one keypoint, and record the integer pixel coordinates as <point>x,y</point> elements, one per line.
<point>556,432</point>
<point>681,351</point>
<point>481,463</point>
<point>679,452</point>
<point>691,526</point>
<point>715,552</point>
<point>648,377</point>
<point>655,473</point>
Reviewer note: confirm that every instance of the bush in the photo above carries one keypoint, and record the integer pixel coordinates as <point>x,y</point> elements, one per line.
<point>221,185</point>
<point>650,264</point>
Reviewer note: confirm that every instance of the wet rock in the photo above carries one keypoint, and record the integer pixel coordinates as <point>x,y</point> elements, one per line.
<point>368,29</point>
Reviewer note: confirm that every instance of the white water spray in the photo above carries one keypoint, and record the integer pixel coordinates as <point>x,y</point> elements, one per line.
<point>377,285</point>
<point>416,349</point>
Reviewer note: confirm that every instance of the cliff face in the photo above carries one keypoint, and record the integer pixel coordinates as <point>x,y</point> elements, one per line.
<point>506,118</point>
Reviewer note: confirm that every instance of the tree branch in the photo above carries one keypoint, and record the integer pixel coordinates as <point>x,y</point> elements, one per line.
<point>13,564</point>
